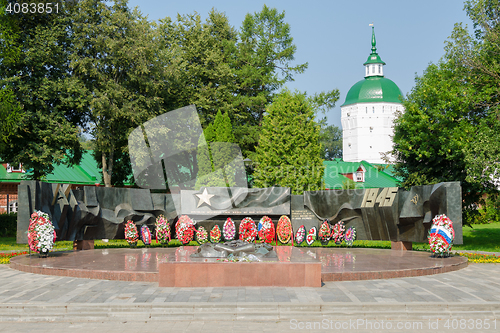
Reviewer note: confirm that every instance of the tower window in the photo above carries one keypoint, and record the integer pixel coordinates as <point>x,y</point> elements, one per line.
<point>366,109</point>
<point>373,69</point>
<point>371,129</point>
<point>379,68</point>
<point>373,109</point>
<point>382,109</point>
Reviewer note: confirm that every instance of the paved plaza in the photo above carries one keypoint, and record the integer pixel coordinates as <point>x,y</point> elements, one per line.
<point>469,297</point>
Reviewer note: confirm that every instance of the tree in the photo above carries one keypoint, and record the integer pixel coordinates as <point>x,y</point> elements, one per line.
<point>289,150</point>
<point>263,63</point>
<point>331,142</point>
<point>198,57</point>
<point>34,67</point>
<point>215,158</point>
<point>448,131</point>
<point>115,59</point>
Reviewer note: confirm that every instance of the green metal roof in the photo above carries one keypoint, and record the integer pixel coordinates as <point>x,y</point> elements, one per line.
<point>335,169</point>
<point>86,173</point>
<point>373,89</point>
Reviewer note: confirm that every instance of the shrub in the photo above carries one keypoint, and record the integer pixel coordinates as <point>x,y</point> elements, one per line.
<point>8,225</point>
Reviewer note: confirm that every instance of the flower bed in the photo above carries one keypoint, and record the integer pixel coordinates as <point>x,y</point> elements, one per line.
<point>5,257</point>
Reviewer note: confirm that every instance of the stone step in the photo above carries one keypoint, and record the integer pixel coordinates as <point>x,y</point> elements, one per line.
<point>245,311</point>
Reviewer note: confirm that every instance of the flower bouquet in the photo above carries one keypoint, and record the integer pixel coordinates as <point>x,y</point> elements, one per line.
<point>324,233</point>
<point>338,232</point>
<point>266,229</point>
<point>301,235</point>
<point>131,234</point>
<point>145,235</point>
<point>311,236</point>
<point>41,233</point>
<point>350,236</point>
<point>229,229</point>
<point>215,234</point>
<point>284,229</point>
<point>441,236</point>
<point>248,230</point>
<point>184,229</point>
<point>162,230</point>
<point>201,235</point>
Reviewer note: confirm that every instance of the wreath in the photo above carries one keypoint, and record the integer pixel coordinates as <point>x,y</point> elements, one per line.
<point>266,229</point>
<point>350,236</point>
<point>229,229</point>
<point>301,235</point>
<point>215,234</point>
<point>284,229</point>
<point>145,235</point>
<point>441,235</point>
<point>201,235</point>
<point>324,233</point>
<point>184,229</point>
<point>131,234</point>
<point>41,233</point>
<point>248,230</point>
<point>311,236</point>
<point>338,232</point>
<point>162,230</point>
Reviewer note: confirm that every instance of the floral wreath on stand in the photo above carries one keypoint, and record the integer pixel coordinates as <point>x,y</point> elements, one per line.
<point>338,232</point>
<point>300,236</point>
<point>284,229</point>
<point>266,229</point>
<point>441,236</point>
<point>201,235</point>
<point>350,236</point>
<point>229,229</point>
<point>324,233</point>
<point>311,236</point>
<point>184,229</point>
<point>41,233</point>
<point>131,234</point>
<point>162,230</point>
<point>215,234</point>
<point>248,230</point>
<point>145,235</point>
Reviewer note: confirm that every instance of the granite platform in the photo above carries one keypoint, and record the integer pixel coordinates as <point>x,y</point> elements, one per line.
<point>144,264</point>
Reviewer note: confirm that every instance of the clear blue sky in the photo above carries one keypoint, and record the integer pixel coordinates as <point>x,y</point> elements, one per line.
<point>334,36</point>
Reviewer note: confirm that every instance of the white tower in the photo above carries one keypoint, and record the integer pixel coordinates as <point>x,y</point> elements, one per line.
<point>368,113</point>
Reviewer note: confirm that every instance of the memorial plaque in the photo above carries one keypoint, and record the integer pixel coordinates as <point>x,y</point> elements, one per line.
<point>214,201</point>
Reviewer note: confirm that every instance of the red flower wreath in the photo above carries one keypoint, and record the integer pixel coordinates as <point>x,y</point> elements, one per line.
<point>248,230</point>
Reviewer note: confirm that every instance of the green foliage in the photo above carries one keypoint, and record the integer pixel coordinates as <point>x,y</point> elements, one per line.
<point>8,225</point>
<point>115,60</point>
<point>35,68</point>
<point>489,211</point>
<point>449,131</point>
<point>214,157</point>
<point>288,154</point>
<point>348,184</point>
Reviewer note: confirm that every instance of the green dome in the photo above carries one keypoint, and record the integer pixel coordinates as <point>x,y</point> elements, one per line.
<point>373,89</point>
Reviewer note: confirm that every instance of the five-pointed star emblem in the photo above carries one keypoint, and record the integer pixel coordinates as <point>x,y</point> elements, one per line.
<point>204,198</point>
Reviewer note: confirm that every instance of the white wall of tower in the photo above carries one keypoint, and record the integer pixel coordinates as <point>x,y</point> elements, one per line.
<point>367,130</point>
